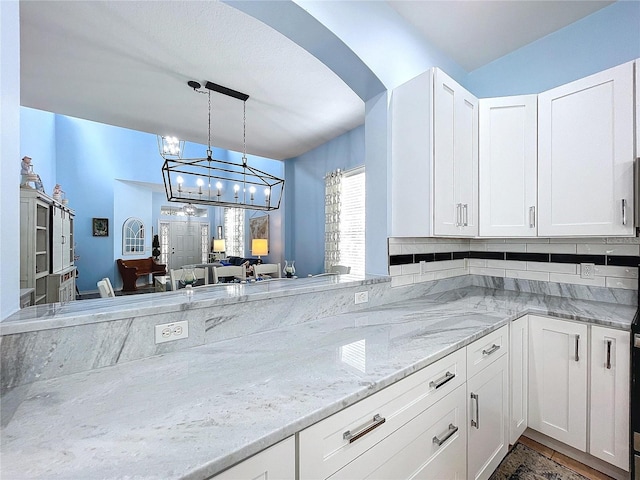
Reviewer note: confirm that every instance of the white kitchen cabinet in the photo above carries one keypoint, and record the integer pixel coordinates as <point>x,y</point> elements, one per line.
<point>558,380</point>
<point>519,377</point>
<point>276,462</point>
<point>455,147</point>
<point>344,438</point>
<point>585,156</point>
<point>637,69</point>
<point>434,167</point>
<point>488,411</point>
<point>34,242</point>
<point>609,412</point>
<point>431,446</point>
<point>508,156</point>
<point>61,238</point>
<point>488,404</point>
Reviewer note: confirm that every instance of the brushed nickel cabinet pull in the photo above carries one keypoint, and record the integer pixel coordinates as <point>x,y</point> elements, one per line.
<point>476,422</point>
<point>624,211</point>
<point>450,431</point>
<point>532,217</point>
<point>376,422</point>
<point>441,381</point>
<point>466,214</point>
<point>494,348</point>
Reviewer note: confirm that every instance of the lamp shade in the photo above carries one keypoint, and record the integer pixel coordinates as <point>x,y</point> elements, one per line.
<point>259,246</point>
<point>218,245</point>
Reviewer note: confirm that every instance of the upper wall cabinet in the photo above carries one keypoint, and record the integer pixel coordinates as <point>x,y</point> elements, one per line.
<point>455,174</point>
<point>508,166</point>
<point>585,156</point>
<point>434,179</point>
<point>637,65</point>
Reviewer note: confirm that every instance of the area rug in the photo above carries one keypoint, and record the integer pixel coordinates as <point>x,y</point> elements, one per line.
<point>523,463</point>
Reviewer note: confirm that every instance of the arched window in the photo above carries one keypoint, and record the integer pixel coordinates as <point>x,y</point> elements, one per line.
<point>133,236</point>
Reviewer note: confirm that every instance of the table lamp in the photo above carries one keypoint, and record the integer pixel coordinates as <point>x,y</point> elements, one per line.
<point>218,246</point>
<point>259,246</point>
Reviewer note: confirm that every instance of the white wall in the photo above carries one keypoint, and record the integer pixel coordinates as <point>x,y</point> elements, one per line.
<point>9,156</point>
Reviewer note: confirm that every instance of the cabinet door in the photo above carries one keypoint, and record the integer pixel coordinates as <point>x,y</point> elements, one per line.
<point>278,462</point>
<point>57,233</point>
<point>609,434</point>
<point>519,375</point>
<point>585,156</point>
<point>411,153</point>
<point>508,166</point>
<point>488,412</point>
<point>455,127</point>
<point>431,446</point>
<point>558,380</point>
<point>637,65</point>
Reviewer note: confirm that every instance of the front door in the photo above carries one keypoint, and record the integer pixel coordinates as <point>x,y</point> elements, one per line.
<point>185,243</point>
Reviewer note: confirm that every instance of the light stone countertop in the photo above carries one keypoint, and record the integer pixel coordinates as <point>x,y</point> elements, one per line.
<point>195,412</point>
<point>56,315</point>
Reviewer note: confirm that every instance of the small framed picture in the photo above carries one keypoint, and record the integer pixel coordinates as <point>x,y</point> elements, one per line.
<point>100,227</point>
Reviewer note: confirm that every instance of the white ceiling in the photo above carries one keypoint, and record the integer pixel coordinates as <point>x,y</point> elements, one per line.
<point>126,63</point>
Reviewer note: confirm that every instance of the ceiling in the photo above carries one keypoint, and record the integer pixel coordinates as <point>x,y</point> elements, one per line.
<point>127,63</point>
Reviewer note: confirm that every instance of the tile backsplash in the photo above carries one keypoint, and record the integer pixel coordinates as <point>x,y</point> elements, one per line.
<point>615,260</point>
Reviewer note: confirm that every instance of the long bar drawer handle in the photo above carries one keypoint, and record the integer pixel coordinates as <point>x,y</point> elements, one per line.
<point>493,348</point>
<point>451,430</point>
<point>577,353</point>
<point>352,437</point>
<point>441,381</point>
<point>608,355</point>
<point>476,422</point>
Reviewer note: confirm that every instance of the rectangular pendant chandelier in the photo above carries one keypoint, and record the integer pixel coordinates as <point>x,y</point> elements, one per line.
<point>219,183</point>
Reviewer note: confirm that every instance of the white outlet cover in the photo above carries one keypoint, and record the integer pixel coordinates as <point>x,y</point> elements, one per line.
<point>168,332</point>
<point>361,297</point>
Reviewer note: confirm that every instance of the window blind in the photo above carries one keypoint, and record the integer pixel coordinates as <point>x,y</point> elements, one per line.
<point>352,221</point>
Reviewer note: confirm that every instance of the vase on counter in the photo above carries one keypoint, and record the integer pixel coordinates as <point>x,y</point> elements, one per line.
<point>289,268</point>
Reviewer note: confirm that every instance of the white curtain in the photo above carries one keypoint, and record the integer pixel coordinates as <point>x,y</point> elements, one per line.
<point>332,196</point>
<point>234,231</point>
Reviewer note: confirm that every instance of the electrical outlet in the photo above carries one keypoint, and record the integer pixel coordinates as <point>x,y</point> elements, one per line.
<point>167,332</point>
<point>361,297</point>
<point>587,270</point>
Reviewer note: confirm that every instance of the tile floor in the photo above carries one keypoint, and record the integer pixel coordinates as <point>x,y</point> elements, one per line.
<point>574,465</point>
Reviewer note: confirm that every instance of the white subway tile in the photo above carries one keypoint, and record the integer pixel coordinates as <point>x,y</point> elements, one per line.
<point>410,269</point>
<point>576,279</point>
<point>551,248</point>
<point>491,272</point>
<point>626,283</point>
<point>570,268</point>
<point>507,247</point>
<point>607,249</point>
<point>485,241</point>
<point>576,240</point>
<point>528,275</point>
<point>527,240</point>
<point>623,240</point>
<point>395,270</point>
<point>511,264</point>
<point>455,272</point>
<point>450,247</point>
<point>442,265</point>
<point>476,262</point>
<point>395,249</point>
<point>622,272</point>
<point>401,280</point>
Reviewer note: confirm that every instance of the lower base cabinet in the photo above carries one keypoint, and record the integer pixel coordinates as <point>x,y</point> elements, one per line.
<point>431,446</point>
<point>488,437</point>
<point>278,461</point>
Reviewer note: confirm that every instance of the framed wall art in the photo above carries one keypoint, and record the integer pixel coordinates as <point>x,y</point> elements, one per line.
<point>100,227</point>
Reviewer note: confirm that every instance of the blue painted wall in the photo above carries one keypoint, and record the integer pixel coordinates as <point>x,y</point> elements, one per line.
<point>304,209</point>
<point>604,39</point>
<point>98,166</point>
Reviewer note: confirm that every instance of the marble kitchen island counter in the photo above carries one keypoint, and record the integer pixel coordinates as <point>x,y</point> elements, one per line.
<point>195,412</point>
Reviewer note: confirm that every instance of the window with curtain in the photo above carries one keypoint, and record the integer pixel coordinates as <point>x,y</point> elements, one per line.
<point>234,219</point>
<point>345,219</point>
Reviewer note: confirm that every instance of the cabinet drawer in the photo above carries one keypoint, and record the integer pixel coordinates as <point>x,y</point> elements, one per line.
<point>325,447</point>
<point>431,446</point>
<point>487,350</point>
